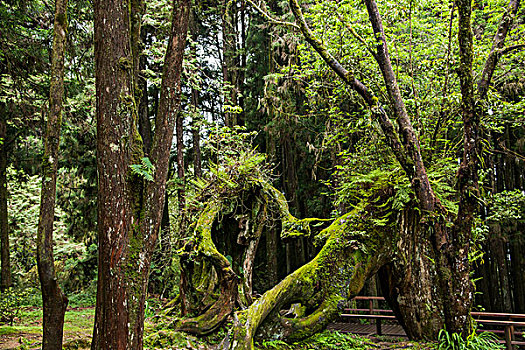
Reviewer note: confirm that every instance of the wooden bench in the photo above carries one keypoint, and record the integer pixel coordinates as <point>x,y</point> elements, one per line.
<point>377,318</point>
<point>509,322</point>
<point>372,314</point>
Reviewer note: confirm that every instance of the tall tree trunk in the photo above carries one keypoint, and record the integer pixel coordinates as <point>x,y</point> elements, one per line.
<point>499,242</point>
<point>5,281</point>
<point>144,121</point>
<point>113,328</point>
<point>130,206</point>
<point>518,266</point>
<point>53,299</point>
<point>229,68</point>
<point>458,291</point>
<point>197,166</point>
<point>179,126</point>
<point>197,157</point>
<point>272,263</point>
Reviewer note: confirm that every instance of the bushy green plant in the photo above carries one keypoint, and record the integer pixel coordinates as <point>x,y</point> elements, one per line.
<point>80,269</point>
<point>86,297</point>
<point>323,341</point>
<point>507,206</point>
<point>475,341</point>
<point>237,164</point>
<point>23,212</point>
<point>169,339</point>
<point>11,300</point>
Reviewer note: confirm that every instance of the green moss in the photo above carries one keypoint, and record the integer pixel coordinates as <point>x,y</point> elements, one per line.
<point>126,63</point>
<point>167,338</point>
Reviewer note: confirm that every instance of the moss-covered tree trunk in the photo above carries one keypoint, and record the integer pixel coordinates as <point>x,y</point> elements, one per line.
<point>305,301</point>
<point>53,299</point>
<point>130,202</point>
<point>218,265</point>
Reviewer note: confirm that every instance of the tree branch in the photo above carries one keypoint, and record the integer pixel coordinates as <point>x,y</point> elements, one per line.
<point>497,49</point>
<point>417,173</point>
<point>391,136</point>
<point>511,48</point>
<point>357,36</point>
<point>270,18</point>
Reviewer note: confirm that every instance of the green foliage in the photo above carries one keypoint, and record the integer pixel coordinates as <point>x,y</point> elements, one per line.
<point>366,188</point>
<point>507,206</point>
<point>275,344</point>
<point>145,169</point>
<point>76,265</point>
<point>77,193</point>
<point>11,300</point>
<point>23,213</point>
<point>168,339</point>
<point>322,341</point>
<point>85,298</point>
<point>475,341</point>
<point>238,165</point>
<point>80,270</point>
<point>153,305</point>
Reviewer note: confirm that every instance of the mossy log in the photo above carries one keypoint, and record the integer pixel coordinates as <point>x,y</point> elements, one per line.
<point>315,293</point>
<point>215,283</point>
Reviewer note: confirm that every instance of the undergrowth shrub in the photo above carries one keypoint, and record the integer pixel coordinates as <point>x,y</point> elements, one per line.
<point>11,301</point>
<point>475,341</point>
<point>326,340</point>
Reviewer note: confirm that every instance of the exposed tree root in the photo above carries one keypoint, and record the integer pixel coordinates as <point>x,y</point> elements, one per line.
<point>202,250</point>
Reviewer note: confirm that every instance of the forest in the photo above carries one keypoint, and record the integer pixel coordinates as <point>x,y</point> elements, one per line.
<point>231,174</point>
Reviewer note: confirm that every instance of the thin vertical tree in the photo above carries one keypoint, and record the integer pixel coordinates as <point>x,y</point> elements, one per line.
<point>5,275</point>
<point>54,300</point>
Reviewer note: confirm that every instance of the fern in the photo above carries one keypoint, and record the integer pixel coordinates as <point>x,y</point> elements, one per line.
<point>475,341</point>
<point>145,170</point>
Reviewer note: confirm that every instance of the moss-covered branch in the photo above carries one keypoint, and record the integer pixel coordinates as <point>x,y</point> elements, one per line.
<point>336,274</point>
<point>235,218</point>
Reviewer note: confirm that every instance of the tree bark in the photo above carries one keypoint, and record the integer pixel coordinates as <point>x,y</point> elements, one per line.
<point>229,66</point>
<point>115,99</point>
<point>144,118</point>
<point>5,281</point>
<point>179,123</point>
<point>497,46</point>
<point>53,299</point>
<point>272,262</point>
<point>518,266</point>
<point>130,206</point>
<point>197,162</point>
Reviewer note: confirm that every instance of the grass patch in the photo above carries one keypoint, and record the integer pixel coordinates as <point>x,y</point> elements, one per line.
<point>79,320</point>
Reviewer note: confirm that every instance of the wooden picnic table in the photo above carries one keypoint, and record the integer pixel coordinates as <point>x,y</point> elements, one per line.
<point>508,321</point>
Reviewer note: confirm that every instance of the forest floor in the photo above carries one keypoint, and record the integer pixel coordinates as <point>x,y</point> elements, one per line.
<point>26,330</point>
<point>26,333</point>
